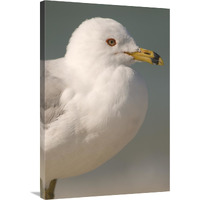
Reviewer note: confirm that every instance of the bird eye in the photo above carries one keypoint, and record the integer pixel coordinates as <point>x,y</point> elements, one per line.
<point>111,42</point>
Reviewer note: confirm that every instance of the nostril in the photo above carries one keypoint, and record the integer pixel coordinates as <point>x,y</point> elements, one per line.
<point>147,53</point>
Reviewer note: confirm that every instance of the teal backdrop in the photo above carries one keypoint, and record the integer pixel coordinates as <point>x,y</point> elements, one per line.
<point>143,165</point>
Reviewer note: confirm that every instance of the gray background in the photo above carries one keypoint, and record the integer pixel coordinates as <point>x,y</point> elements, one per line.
<point>143,165</point>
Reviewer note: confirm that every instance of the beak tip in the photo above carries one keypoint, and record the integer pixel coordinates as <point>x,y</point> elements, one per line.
<point>161,61</point>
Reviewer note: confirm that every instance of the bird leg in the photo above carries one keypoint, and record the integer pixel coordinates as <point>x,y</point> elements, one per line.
<point>48,193</point>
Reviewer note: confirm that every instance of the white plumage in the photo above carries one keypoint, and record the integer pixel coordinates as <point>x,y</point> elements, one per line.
<point>94,102</point>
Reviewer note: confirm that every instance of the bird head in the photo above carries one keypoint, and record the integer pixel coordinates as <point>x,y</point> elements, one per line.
<point>106,42</point>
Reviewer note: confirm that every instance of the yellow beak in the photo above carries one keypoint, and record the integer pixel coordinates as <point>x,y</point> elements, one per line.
<point>146,56</point>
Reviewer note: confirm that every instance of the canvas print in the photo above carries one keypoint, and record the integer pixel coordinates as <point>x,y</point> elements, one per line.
<point>104,100</point>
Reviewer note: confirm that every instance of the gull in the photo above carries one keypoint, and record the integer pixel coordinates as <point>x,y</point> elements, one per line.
<point>93,102</point>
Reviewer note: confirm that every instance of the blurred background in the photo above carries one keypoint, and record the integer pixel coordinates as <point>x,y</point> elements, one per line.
<point>143,165</point>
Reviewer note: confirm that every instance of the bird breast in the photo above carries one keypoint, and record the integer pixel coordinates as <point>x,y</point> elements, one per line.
<point>117,101</point>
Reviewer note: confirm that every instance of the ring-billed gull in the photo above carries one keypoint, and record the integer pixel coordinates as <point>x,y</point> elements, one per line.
<point>93,103</point>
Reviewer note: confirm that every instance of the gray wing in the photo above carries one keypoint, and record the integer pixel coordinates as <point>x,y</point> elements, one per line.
<point>51,89</point>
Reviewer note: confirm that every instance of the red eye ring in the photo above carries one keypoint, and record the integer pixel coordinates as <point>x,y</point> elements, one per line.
<point>111,42</point>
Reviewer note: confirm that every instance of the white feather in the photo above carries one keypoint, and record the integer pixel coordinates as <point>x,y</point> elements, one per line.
<point>94,102</point>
